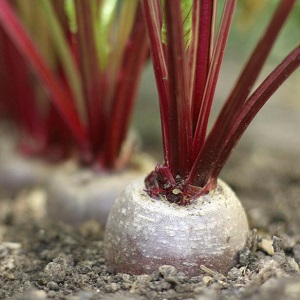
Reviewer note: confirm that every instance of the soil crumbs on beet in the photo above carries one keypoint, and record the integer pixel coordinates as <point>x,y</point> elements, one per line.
<point>42,260</point>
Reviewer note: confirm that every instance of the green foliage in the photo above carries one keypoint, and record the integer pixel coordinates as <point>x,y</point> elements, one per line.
<point>71,14</point>
<point>186,11</point>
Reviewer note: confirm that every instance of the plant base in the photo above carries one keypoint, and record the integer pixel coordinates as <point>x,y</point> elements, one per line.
<point>143,234</point>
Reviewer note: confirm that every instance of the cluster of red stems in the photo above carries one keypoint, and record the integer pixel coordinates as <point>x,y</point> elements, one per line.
<point>49,114</point>
<point>186,75</point>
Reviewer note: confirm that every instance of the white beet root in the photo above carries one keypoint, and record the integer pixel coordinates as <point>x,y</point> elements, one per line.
<point>84,195</point>
<point>76,195</point>
<point>143,233</point>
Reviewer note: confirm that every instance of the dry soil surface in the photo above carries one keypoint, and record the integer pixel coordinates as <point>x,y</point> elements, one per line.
<point>43,260</point>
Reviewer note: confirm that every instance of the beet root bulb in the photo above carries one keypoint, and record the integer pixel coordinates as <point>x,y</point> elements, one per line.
<point>143,234</point>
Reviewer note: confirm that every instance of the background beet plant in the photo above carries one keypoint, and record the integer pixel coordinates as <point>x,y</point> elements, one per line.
<point>187,58</point>
<point>70,69</point>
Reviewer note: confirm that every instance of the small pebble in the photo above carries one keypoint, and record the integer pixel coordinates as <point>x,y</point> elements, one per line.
<point>167,270</point>
<point>10,276</point>
<point>207,279</point>
<point>267,246</point>
<point>54,272</point>
<point>51,285</point>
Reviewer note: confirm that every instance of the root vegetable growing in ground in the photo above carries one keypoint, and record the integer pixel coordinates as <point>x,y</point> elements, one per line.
<point>182,214</point>
<point>71,71</point>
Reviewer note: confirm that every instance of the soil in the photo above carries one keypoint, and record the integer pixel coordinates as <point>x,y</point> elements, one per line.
<point>40,259</point>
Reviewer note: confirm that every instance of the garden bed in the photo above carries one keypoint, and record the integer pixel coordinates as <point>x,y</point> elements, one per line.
<point>43,260</point>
